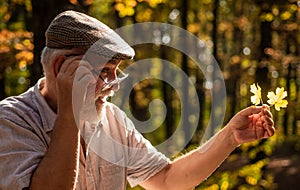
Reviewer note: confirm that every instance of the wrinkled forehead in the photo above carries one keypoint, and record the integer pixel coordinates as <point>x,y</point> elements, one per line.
<point>98,61</point>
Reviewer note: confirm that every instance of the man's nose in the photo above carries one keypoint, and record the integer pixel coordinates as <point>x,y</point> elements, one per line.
<point>111,76</point>
<point>115,87</point>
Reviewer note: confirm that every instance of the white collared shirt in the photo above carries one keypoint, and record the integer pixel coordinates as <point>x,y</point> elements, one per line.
<point>116,151</point>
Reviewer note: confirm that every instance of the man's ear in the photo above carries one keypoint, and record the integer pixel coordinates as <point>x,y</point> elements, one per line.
<point>59,60</point>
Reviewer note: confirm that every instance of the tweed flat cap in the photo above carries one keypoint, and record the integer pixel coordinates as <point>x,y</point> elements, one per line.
<point>71,29</point>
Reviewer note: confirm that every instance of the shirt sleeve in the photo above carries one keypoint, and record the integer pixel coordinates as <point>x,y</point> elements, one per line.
<point>21,150</point>
<point>144,160</point>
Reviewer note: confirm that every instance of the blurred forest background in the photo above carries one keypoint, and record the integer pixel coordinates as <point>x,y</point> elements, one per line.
<point>254,41</point>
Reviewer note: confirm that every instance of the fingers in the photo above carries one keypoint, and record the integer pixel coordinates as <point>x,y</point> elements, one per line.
<point>251,110</point>
<point>78,68</point>
<point>84,74</point>
<point>73,78</point>
<point>269,129</point>
<point>263,130</point>
<point>267,119</point>
<point>267,123</point>
<point>84,80</point>
<point>70,65</point>
<point>262,112</point>
<point>262,119</point>
<point>267,112</point>
<point>266,106</point>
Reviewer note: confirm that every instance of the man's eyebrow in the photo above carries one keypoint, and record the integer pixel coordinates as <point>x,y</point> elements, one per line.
<point>114,61</point>
<point>106,66</point>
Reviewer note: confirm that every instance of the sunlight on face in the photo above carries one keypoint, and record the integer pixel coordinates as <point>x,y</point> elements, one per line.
<point>104,71</point>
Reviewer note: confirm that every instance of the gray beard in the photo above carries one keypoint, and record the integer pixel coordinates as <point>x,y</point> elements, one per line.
<point>93,110</point>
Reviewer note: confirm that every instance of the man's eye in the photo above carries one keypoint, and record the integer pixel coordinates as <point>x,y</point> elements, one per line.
<point>105,70</point>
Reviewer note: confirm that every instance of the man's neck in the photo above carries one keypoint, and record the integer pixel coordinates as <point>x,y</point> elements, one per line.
<point>45,93</point>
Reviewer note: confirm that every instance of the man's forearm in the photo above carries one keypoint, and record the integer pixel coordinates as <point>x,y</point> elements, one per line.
<point>191,169</point>
<point>196,166</point>
<point>58,169</point>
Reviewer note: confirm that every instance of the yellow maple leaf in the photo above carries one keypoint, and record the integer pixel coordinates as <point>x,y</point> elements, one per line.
<point>277,98</point>
<point>256,98</point>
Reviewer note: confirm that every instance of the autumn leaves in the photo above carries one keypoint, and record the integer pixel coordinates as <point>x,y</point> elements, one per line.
<point>276,99</point>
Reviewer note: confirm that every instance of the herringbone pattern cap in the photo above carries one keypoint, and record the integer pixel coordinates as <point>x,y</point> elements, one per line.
<point>71,29</point>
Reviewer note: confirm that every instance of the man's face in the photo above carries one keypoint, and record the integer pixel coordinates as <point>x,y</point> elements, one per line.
<point>105,72</point>
<point>100,85</point>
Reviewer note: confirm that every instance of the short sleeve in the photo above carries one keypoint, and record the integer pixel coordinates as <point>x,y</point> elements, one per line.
<point>21,150</point>
<point>144,160</point>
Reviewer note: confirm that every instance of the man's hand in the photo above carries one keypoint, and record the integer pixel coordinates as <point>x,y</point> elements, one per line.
<point>84,87</point>
<point>64,81</point>
<point>252,123</point>
<point>75,86</point>
<point>59,167</point>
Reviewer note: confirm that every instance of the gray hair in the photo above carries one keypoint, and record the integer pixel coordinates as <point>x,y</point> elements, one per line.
<point>49,54</point>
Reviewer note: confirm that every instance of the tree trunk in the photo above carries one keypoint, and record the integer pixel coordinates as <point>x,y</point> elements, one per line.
<point>214,104</point>
<point>185,96</point>
<point>2,88</point>
<point>265,42</point>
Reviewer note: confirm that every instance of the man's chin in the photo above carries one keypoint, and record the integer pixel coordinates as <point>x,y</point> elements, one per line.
<point>100,100</point>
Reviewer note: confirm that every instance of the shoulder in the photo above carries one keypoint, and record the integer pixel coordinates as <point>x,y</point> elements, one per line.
<point>19,110</point>
<point>17,104</point>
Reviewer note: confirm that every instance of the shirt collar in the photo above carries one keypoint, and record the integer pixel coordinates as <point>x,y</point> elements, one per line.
<point>47,114</point>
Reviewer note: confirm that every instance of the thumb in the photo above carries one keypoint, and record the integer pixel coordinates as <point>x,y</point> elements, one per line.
<point>251,110</point>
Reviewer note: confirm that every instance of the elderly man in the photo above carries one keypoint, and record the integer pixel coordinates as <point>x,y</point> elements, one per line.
<point>59,136</point>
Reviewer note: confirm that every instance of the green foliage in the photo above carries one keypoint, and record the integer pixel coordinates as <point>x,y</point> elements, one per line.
<point>16,81</point>
<point>243,176</point>
<point>14,14</point>
<point>16,46</point>
<point>128,7</point>
<point>16,53</point>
